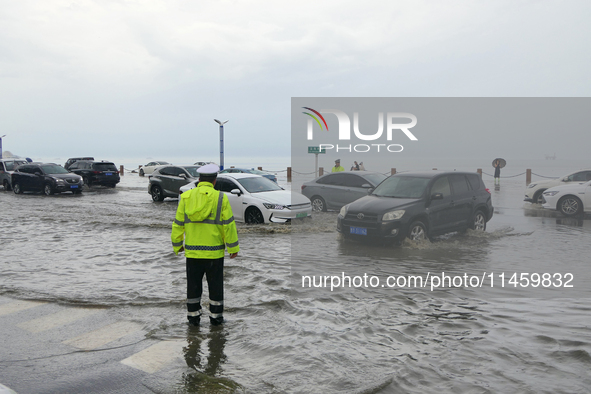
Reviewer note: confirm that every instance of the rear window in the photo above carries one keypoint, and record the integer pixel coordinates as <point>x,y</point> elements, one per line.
<point>474,180</point>
<point>105,167</point>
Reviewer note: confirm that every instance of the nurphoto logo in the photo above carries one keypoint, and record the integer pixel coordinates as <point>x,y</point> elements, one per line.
<point>344,131</point>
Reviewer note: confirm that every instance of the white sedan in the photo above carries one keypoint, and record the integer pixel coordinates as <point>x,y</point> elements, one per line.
<point>570,200</point>
<point>151,166</point>
<point>255,199</point>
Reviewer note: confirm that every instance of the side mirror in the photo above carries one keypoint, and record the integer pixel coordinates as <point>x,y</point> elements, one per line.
<point>370,190</point>
<point>366,185</point>
<point>437,196</point>
<point>236,192</point>
<point>183,176</point>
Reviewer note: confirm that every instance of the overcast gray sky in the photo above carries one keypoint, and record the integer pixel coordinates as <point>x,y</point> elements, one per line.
<point>146,78</point>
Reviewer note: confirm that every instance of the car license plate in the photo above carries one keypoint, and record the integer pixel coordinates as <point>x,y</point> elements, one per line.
<point>73,186</point>
<point>358,230</point>
<point>109,173</point>
<point>302,215</point>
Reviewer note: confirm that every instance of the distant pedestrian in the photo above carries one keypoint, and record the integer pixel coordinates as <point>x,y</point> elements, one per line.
<point>205,222</point>
<point>361,167</point>
<point>355,166</point>
<point>337,166</point>
<point>497,166</point>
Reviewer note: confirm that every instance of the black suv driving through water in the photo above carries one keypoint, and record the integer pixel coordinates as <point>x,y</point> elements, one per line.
<point>96,172</point>
<point>418,206</point>
<point>48,178</point>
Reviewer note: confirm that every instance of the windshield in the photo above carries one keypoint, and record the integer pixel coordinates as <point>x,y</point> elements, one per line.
<point>192,171</point>
<point>402,187</point>
<point>375,179</point>
<point>11,165</point>
<point>258,184</point>
<point>54,169</point>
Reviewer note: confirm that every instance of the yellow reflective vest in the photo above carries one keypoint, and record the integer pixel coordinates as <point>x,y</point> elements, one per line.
<point>338,169</point>
<point>205,222</point>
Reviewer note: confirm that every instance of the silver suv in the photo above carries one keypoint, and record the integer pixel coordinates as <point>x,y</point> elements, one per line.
<point>7,167</point>
<point>166,181</point>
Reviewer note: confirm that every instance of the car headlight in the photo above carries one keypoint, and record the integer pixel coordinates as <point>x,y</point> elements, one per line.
<point>551,193</point>
<point>532,185</point>
<point>58,180</point>
<point>343,211</point>
<point>273,206</point>
<point>393,215</point>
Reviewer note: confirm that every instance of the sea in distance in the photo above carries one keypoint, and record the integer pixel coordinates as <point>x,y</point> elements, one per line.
<point>111,248</point>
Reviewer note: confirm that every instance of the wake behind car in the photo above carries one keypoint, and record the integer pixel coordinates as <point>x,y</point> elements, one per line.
<point>48,178</point>
<point>332,191</point>
<point>7,167</point>
<point>102,173</point>
<point>167,180</point>
<point>418,206</point>
<point>534,190</point>
<point>255,199</point>
<point>571,200</point>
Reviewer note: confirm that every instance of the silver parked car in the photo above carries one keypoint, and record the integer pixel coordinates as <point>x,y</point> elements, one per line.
<point>7,167</point>
<point>332,191</point>
<point>166,181</point>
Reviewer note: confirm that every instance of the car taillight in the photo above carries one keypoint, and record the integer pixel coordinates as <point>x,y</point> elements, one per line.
<point>96,172</point>
<point>303,187</point>
<point>488,190</point>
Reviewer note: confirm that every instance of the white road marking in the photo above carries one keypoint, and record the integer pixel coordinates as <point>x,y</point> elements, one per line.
<point>58,319</point>
<point>18,306</point>
<point>94,339</point>
<point>156,356</point>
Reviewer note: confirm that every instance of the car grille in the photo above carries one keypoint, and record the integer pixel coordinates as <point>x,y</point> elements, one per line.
<point>367,221</point>
<point>299,206</point>
<point>71,180</point>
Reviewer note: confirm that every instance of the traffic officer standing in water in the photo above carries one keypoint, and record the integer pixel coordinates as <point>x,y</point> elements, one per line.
<point>204,220</point>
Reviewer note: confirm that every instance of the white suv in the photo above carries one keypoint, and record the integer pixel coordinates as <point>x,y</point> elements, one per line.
<point>534,191</point>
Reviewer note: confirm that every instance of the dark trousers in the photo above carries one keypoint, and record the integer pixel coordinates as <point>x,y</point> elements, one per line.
<point>213,269</point>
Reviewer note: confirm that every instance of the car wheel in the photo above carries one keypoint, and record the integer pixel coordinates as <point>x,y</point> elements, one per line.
<point>157,194</point>
<point>17,188</point>
<point>570,205</point>
<point>478,221</point>
<point>318,204</point>
<point>537,199</point>
<point>6,186</point>
<point>47,189</point>
<point>417,231</point>
<point>254,216</point>
<point>141,172</point>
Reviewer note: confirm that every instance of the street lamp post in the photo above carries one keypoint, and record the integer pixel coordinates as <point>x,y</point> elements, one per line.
<point>1,145</point>
<point>221,142</point>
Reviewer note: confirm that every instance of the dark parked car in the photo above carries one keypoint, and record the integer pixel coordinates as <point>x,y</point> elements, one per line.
<point>251,171</point>
<point>48,178</point>
<point>332,191</point>
<point>72,160</point>
<point>7,167</point>
<point>96,172</point>
<point>167,180</point>
<point>419,206</point>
